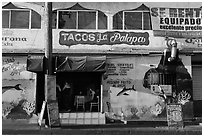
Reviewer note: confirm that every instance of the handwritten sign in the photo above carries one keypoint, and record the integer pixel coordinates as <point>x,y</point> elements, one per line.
<point>15,68</point>
<point>107,38</point>
<point>174,115</point>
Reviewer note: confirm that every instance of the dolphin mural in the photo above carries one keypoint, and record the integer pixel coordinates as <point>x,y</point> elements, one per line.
<point>128,103</point>
<point>13,93</point>
<point>6,88</point>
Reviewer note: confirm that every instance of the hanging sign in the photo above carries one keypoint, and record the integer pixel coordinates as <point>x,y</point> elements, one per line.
<point>174,115</point>
<point>107,38</point>
<point>177,22</point>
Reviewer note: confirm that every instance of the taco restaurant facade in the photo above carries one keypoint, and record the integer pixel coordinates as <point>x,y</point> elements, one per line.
<point>122,62</point>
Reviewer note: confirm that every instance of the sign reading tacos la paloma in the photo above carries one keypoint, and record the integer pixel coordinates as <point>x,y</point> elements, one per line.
<point>106,38</point>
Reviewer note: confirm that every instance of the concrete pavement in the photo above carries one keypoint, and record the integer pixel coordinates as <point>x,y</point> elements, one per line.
<point>24,128</point>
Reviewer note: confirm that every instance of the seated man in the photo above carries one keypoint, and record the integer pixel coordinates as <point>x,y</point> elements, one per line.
<point>89,98</point>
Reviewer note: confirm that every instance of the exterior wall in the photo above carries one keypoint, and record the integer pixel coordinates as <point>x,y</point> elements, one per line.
<point>118,75</point>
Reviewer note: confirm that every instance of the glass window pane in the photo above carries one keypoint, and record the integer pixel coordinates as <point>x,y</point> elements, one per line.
<point>20,19</point>
<point>133,20</point>
<point>147,21</point>
<point>118,21</point>
<point>5,19</point>
<point>102,20</point>
<point>35,20</point>
<point>87,20</point>
<point>67,20</point>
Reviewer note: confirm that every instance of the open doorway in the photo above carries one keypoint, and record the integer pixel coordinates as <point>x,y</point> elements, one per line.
<point>85,84</point>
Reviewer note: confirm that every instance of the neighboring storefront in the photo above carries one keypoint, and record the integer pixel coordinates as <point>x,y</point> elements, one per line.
<point>123,62</point>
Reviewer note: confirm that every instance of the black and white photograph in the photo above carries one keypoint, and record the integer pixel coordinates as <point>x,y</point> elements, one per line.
<point>101,68</point>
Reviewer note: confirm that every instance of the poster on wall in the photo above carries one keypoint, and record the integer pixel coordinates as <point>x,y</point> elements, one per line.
<point>177,22</point>
<point>174,115</point>
<point>18,89</point>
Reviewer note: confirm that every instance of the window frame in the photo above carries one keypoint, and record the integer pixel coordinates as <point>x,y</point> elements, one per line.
<point>30,18</point>
<point>77,18</point>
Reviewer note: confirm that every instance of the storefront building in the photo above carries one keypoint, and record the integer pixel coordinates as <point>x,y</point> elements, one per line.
<point>120,51</point>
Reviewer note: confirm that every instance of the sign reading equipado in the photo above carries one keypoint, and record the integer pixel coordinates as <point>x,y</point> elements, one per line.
<point>177,19</point>
<point>106,38</point>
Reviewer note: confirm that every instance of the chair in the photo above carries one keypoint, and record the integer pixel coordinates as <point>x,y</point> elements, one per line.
<point>80,102</point>
<point>94,104</point>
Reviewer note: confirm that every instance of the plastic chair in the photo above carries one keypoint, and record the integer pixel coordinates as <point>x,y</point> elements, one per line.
<point>94,104</point>
<point>80,102</point>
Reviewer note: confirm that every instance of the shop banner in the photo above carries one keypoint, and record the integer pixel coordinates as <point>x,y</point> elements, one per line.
<point>107,38</point>
<point>177,22</point>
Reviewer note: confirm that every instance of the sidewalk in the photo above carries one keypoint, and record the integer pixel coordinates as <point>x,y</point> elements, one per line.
<point>20,127</point>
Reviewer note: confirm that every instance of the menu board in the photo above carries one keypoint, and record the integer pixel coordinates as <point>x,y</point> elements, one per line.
<point>121,72</point>
<point>174,115</point>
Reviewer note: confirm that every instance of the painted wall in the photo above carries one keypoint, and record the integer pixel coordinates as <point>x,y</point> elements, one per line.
<point>124,95</point>
<point>18,89</point>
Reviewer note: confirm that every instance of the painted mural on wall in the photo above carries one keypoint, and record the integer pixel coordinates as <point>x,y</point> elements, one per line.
<point>128,94</point>
<point>130,104</point>
<point>19,39</point>
<point>18,89</point>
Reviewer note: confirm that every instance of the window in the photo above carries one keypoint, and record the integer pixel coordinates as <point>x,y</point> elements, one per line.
<point>87,20</point>
<point>20,19</point>
<point>79,19</point>
<point>5,19</point>
<point>135,19</point>
<point>132,20</point>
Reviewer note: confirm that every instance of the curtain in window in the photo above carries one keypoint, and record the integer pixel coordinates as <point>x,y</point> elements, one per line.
<point>20,19</point>
<point>5,19</point>
<point>87,20</point>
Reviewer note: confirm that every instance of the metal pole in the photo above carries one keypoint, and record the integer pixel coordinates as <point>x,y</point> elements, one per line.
<point>48,36</point>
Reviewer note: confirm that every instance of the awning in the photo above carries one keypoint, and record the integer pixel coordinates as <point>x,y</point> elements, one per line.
<point>80,63</point>
<point>35,63</point>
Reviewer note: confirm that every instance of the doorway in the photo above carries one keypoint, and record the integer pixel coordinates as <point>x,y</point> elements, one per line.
<point>80,84</point>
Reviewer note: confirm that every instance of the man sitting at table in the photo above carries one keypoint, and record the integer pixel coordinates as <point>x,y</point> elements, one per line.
<point>89,98</point>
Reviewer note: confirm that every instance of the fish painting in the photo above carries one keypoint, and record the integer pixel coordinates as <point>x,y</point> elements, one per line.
<point>6,88</point>
<point>13,93</point>
<point>124,100</point>
<point>123,92</point>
